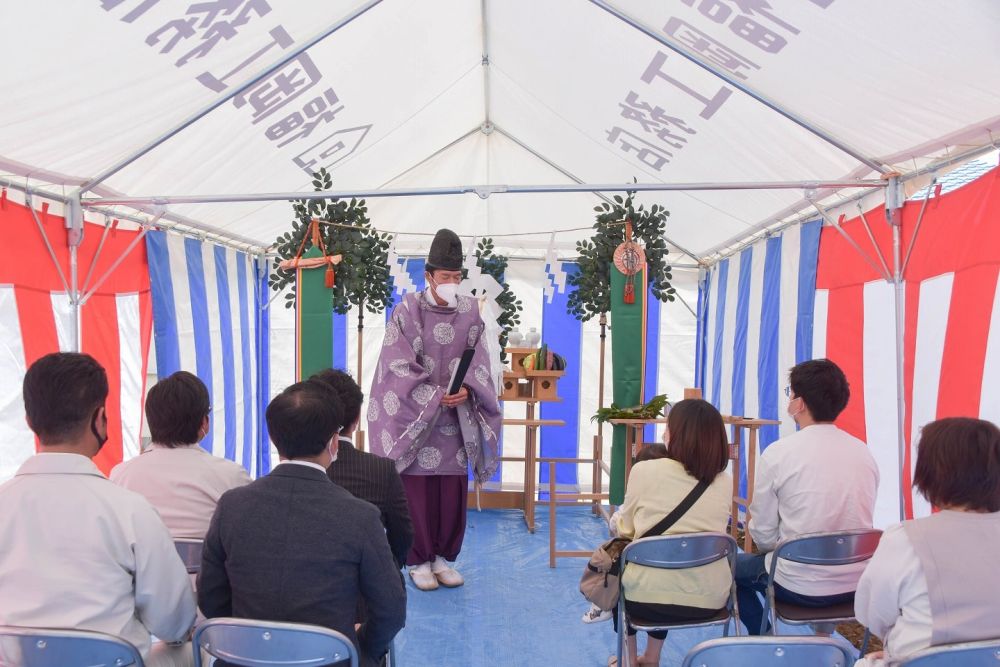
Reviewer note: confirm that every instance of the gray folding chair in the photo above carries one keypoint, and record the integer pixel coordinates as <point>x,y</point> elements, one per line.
<point>190,552</point>
<point>677,552</point>
<point>51,647</point>
<point>770,652</point>
<point>251,643</point>
<point>836,548</point>
<point>967,654</point>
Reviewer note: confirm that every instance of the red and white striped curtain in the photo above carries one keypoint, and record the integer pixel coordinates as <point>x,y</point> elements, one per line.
<point>952,327</point>
<point>36,319</point>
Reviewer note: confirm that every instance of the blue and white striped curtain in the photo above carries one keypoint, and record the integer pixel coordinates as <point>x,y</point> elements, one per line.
<point>755,323</point>
<point>208,319</point>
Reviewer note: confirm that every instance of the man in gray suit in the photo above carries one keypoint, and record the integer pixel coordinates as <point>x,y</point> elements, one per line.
<point>293,546</point>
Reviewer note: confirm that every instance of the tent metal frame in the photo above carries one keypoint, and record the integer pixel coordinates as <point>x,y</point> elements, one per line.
<point>75,202</point>
<point>482,191</point>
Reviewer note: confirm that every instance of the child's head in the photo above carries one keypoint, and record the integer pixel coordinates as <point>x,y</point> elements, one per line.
<point>651,451</point>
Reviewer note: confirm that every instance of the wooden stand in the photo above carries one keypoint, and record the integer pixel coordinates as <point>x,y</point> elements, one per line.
<point>752,426</point>
<point>528,387</point>
<point>633,440</point>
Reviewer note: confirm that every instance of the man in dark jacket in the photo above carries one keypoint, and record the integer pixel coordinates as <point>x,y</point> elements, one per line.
<point>295,547</point>
<point>367,476</point>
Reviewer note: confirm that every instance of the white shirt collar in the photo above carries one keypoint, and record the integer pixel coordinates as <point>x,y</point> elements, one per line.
<point>59,463</point>
<point>305,463</point>
<point>193,445</point>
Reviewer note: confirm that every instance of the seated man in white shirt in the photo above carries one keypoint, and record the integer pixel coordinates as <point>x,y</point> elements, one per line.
<point>179,478</point>
<point>819,479</point>
<point>76,551</point>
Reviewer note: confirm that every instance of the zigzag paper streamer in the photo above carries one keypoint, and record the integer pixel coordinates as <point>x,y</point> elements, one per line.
<point>487,290</point>
<point>555,276</point>
<point>397,269</point>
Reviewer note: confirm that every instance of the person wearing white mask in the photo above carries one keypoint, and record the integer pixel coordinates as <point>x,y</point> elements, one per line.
<point>819,479</point>
<point>76,551</point>
<point>293,546</point>
<point>436,437</point>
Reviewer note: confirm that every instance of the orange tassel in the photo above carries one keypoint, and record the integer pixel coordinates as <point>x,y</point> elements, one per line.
<point>330,278</point>
<point>629,296</point>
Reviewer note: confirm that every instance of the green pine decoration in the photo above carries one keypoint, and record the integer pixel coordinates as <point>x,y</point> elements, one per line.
<point>591,295</point>
<point>362,277</point>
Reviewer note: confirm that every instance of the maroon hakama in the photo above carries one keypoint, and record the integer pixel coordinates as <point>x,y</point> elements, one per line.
<point>437,508</point>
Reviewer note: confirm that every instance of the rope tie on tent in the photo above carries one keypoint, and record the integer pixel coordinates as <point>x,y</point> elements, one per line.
<point>495,236</point>
<point>3,199</point>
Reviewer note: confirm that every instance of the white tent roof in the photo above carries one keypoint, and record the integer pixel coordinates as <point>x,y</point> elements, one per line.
<point>454,93</point>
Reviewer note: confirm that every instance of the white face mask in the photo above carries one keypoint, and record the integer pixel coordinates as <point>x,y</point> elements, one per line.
<point>789,411</point>
<point>333,453</point>
<point>447,292</point>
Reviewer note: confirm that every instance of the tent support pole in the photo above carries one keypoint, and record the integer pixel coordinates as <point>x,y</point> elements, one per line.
<point>178,224</point>
<point>74,223</point>
<point>121,258</point>
<point>486,63</point>
<point>871,237</point>
<point>230,94</point>
<point>774,224</point>
<point>483,191</point>
<point>854,244</point>
<point>97,253</point>
<point>73,241</point>
<point>894,210</point>
<point>739,85</point>
<point>916,227</point>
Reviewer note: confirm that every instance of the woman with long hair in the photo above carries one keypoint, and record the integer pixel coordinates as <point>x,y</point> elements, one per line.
<point>697,451</point>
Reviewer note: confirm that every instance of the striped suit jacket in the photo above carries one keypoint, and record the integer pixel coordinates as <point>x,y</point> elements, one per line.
<point>374,478</point>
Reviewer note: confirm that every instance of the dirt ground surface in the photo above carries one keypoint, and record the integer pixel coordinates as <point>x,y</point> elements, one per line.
<point>854,632</point>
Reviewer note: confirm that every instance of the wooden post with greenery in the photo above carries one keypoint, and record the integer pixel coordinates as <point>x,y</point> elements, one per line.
<point>362,277</point>
<point>591,285</point>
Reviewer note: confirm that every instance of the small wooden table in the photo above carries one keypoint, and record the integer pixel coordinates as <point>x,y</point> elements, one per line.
<point>752,425</point>
<point>531,426</point>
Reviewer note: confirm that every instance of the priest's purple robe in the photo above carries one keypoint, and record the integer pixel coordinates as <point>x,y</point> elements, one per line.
<point>406,421</point>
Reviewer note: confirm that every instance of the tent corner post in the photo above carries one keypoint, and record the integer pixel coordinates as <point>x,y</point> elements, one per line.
<point>894,215</point>
<point>74,238</point>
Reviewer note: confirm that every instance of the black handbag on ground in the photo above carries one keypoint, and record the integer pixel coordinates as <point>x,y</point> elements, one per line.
<point>599,583</point>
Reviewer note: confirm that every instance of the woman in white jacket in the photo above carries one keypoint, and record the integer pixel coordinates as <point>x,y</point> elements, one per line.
<point>934,580</point>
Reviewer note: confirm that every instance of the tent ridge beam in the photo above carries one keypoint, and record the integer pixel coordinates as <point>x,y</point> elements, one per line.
<point>483,191</point>
<point>735,83</point>
<point>568,174</point>
<point>486,64</point>
<point>233,92</point>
